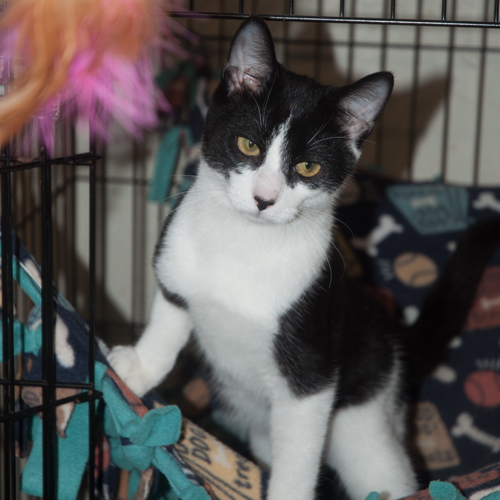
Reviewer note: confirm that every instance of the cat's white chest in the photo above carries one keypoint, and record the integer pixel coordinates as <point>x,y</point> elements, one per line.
<point>238,278</point>
<point>239,348</point>
<point>255,270</point>
<point>234,290</point>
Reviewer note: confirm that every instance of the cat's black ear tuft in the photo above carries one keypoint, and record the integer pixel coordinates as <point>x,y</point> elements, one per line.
<point>362,102</point>
<point>251,61</point>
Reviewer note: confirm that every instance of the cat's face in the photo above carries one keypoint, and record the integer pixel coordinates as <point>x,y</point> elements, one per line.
<point>279,143</point>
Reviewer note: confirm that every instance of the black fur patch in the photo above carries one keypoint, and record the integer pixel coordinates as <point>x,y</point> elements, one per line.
<point>336,335</point>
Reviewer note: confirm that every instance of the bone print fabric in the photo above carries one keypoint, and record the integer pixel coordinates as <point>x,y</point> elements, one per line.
<point>403,235</point>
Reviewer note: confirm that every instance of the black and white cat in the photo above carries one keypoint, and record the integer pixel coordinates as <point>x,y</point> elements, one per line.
<point>306,365</point>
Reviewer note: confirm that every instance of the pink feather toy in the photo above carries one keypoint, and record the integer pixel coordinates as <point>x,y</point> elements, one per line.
<point>90,59</point>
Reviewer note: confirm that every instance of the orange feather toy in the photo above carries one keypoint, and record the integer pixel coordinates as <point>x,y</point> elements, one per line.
<point>92,57</point>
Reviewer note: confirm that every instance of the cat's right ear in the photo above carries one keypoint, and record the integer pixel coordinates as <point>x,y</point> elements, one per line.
<point>361,103</point>
<point>252,60</point>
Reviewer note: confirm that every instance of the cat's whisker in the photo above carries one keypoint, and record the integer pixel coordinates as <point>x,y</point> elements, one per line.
<point>325,123</point>
<point>261,126</point>
<point>345,225</point>
<point>316,148</point>
<point>184,203</point>
<point>177,175</point>
<point>204,213</point>
<point>170,197</point>
<point>172,176</point>
<point>311,235</point>
<point>341,256</point>
<point>319,212</point>
<point>269,111</point>
<point>180,193</point>
<point>332,138</point>
<point>332,242</point>
<point>267,99</point>
<point>280,226</point>
<point>335,219</point>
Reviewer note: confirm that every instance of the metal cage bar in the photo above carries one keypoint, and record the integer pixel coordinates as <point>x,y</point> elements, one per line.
<point>480,102</point>
<point>8,372</point>
<point>48,346</point>
<point>391,21</point>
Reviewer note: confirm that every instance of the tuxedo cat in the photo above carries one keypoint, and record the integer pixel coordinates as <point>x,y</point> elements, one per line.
<point>307,365</point>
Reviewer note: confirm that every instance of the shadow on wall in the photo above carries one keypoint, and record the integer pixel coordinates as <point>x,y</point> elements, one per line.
<point>390,149</point>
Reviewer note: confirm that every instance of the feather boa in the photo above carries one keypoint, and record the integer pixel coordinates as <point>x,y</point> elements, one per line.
<point>89,59</point>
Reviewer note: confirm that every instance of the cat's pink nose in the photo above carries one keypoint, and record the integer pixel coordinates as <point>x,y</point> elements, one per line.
<point>262,204</point>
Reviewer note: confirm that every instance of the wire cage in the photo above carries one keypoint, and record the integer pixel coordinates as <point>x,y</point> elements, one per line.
<point>86,219</point>
<point>32,189</point>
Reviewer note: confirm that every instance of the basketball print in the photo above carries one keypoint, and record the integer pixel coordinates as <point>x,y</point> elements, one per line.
<point>415,269</point>
<point>482,388</point>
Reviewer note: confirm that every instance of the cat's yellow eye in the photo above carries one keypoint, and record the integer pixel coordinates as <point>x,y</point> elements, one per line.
<point>247,147</point>
<point>307,169</point>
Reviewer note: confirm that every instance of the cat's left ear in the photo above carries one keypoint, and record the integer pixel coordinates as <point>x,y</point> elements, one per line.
<point>252,60</point>
<point>361,103</point>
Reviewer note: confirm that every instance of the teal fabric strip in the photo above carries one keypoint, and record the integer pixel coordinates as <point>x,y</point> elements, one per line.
<point>24,278</point>
<point>71,457</point>
<point>25,339</point>
<point>441,490</point>
<point>133,483</point>
<point>160,427</point>
<point>184,488</point>
<point>166,160</point>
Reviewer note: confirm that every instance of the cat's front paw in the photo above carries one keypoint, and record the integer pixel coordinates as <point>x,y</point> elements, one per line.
<point>126,363</point>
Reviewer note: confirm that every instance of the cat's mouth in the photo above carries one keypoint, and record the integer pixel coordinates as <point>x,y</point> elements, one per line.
<point>259,218</point>
<point>270,216</point>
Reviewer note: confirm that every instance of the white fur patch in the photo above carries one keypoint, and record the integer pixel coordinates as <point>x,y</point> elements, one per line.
<point>298,431</point>
<point>32,269</point>
<point>64,352</point>
<point>144,366</point>
<point>366,447</point>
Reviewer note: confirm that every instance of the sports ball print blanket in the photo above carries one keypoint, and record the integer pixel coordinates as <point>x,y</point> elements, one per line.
<point>403,234</point>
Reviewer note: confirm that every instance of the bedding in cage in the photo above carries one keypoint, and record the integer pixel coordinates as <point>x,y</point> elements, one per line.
<point>402,234</point>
